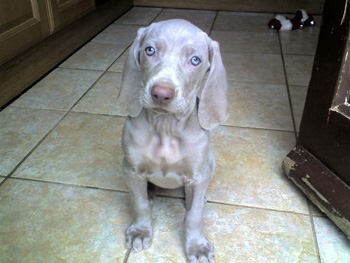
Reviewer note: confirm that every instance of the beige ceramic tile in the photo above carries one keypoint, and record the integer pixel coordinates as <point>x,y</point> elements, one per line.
<point>42,222</point>
<point>248,169</point>
<point>259,106</point>
<point>117,34</point>
<point>247,42</point>
<point>332,243</point>
<point>298,96</point>
<point>238,235</point>
<point>240,21</point>
<point>261,68</point>
<point>84,149</point>
<point>167,244</point>
<point>200,18</point>
<point>102,97</point>
<point>118,65</point>
<point>139,16</point>
<point>299,43</point>
<point>20,130</point>
<point>243,235</point>
<point>299,69</point>
<point>59,90</point>
<point>95,56</point>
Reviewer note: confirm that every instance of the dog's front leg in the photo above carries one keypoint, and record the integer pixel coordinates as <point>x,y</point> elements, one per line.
<point>197,246</point>
<point>139,233</point>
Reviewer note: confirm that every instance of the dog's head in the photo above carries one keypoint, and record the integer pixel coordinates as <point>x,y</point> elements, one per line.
<point>169,64</point>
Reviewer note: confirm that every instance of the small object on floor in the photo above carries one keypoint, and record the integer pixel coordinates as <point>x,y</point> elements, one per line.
<point>301,19</point>
<point>282,23</point>
<point>304,18</point>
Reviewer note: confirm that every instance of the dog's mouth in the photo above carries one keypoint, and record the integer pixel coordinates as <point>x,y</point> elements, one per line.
<point>160,110</point>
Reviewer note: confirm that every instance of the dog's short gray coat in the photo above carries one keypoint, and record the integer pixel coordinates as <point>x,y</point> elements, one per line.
<point>167,144</point>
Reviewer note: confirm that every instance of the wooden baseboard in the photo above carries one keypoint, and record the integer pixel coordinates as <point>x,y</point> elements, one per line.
<point>266,6</point>
<point>330,195</point>
<point>24,70</point>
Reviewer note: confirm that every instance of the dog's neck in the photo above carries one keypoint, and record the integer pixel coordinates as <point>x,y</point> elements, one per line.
<point>165,124</point>
<point>171,125</point>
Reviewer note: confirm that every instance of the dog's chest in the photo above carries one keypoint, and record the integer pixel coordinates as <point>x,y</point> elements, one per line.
<point>167,153</point>
<point>163,150</point>
<point>164,162</point>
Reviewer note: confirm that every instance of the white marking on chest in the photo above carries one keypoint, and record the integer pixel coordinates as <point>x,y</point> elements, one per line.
<point>163,150</point>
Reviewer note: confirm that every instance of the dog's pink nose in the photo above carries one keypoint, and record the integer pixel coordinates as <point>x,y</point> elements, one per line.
<point>162,93</point>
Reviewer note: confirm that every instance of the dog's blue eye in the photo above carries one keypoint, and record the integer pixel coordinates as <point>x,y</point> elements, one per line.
<point>195,61</point>
<point>150,51</point>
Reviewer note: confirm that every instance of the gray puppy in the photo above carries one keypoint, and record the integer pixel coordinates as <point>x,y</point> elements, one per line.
<point>173,91</point>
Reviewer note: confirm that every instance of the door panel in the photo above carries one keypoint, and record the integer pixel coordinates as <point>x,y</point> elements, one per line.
<point>63,12</point>
<point>22,23</point>
<point>320,163</point>
<point>325,127</point>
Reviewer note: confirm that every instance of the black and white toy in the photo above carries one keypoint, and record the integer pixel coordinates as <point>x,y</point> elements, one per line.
<point>300,20</point>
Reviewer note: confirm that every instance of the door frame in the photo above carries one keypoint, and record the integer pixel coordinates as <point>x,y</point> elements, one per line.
<point>320,162</point>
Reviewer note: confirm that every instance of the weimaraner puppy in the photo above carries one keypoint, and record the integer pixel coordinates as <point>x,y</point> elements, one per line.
<point>174,91</point>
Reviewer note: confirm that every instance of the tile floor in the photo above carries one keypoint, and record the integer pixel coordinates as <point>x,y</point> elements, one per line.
<point>62,197</point>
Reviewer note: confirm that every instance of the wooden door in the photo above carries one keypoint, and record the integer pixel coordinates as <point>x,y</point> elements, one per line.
<point>320,163</point>
<point>22,24</point>
<point>63,12</point>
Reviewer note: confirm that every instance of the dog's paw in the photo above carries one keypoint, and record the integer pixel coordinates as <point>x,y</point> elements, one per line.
<point>200,251</point>
<point>138,237</point>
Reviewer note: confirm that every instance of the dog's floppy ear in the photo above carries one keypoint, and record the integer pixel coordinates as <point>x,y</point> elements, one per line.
<point>212,109</point>
<point>129,95</point>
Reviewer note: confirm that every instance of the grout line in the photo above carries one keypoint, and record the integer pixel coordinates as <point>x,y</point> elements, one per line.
<point>180,8</point>
<point>262,83</point>
<point>126,258</point>
<point>257,82</point>
<point>207,10</point>
<point>63,111</point>
<point>92,85</point>
<point>255,128</point>
<point>61,62</point>
<point>107,70</point>
<point>287,85</point>
<point>314,234</point>
<point>82,69</point>
<point>237,205</point>
<point>158,195</point>
<point>69,184</point>
<point>298,54</point>
<point>161,11</point>
<point>121,54</point>
<point>243,31</point>
<point>248,31</point>
<point>49,132</point>
<point>258,208</point>
<point>66,112</point>
<point>32,108</point>
<point>212,25</point>
<point>121,116</point>
<point>33,149</point>
<point>99,114</point>
<point>251,52</point>
<point>128,46</point>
